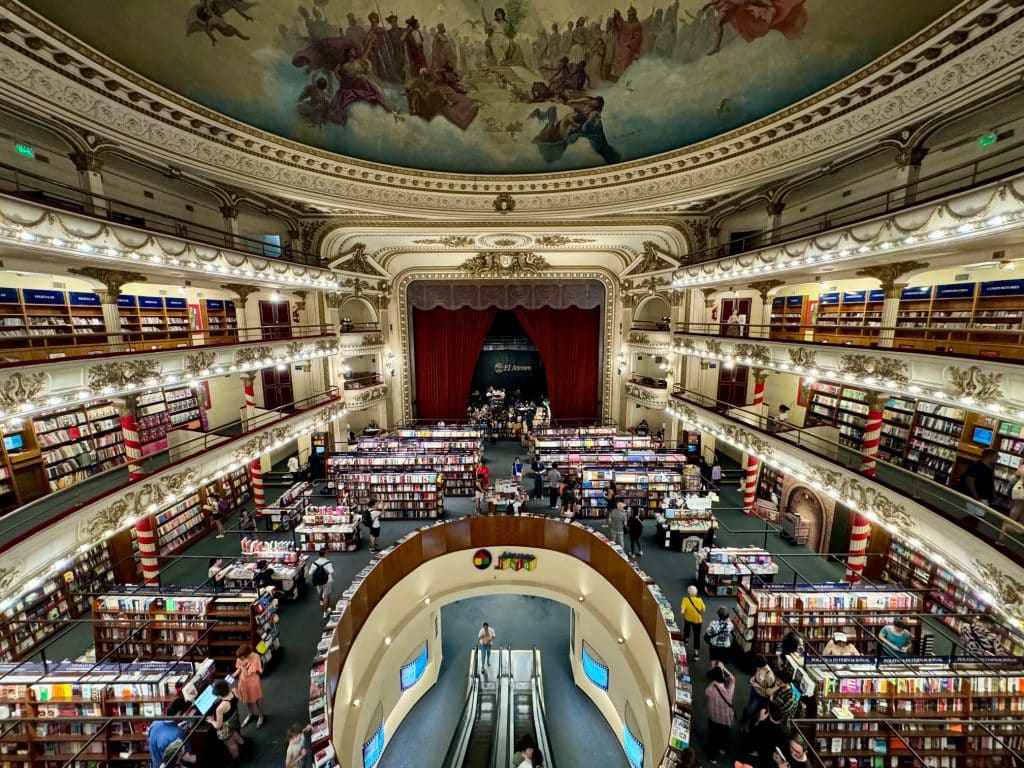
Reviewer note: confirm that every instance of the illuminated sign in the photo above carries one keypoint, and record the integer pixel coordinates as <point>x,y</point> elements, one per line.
<point>411,673</point>
<point>634,749</point>
<point>514,561</point>
<point>595,671</point>
<point>988,139</point>
<point>373,748</point>
<point>24,150</point>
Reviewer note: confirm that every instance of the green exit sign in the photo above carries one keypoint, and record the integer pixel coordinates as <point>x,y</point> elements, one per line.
<point>988,139</point>
<point>24,150</point>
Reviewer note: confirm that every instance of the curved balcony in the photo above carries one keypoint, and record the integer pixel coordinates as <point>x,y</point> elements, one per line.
<point>361,398</point>
<point>31,387</point>
<point>90,511</point>
<point>984,384</point>
<point>360,339</point>
<point>933,518</point>
<point>650,393</point>
<point>652,337</point>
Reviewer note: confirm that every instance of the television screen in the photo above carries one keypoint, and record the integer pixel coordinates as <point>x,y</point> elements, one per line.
<point>14,442</point>
<point>373,748</point>
<point>595,671</point>
<point>411,673</point>
<point>982,436</point>
<point>634,749</point>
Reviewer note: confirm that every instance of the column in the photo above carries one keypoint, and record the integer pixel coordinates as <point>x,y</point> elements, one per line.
<point>90,179</point>
<point>709,326</point>
<point>255,467</point>
<point>753,465</point>
<point>230,214</point>
<point>908,171</point>
<point>774,209</point>
<point>243,292</point>
<point>872,433</point>
<point>890,314</point>
<point>145,534</point>
<point>764,288</point>
<point>860,531</point>
<point>126,406</point>
<point>111,319</point>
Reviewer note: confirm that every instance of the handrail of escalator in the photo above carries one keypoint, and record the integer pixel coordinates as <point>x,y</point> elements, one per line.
<point>540,722</point>
<point>501,743</point>
<point>464,730</point>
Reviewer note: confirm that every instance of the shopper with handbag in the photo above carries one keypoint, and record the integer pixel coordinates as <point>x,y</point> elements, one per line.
<point>719,636</point>
<point>720,690</point>
<point>692,609</point>
<point>248,669</point>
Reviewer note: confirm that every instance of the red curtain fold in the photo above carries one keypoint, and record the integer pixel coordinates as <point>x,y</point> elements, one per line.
<point>568,341</point>
<point>448,343</point>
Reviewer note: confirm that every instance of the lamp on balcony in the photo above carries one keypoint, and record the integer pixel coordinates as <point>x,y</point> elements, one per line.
<point>389,362</point>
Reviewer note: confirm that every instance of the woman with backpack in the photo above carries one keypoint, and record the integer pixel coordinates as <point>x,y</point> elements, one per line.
<point>374,512</point>
<point>635,529</point>
<point>321,575</point>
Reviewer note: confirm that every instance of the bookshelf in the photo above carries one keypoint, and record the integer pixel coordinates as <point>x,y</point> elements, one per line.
<point>78,442</point>
<point>571,464</point>
<point>945,593</point>
<point>221,321</point>
<point>787,318</point>
<point>179,525</point>
<point>234,489</point>
<point>453,452</point>
<point>726,570</point>
<point>1010,444</point>
<point>768,493</point>
<point>153,422</point>
<point>688,527</point>
<point>764,615</point>
<point>169,625</point>
<point>402,495</point>
<point>935,429</point>
<point>896,715</point>
<point>85,714</point>
<point>337,528</point>
<point>183,408</point>
<point>24,478</point>
<point>648,492</point>
<point>59,597</point>
<point>284,513</point>
<point>896,421</point>
<point>824,404</point>
<point>851,417</point>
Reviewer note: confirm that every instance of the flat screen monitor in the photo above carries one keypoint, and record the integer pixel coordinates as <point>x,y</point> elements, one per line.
<point>634,749</point>
<point>373,748</point>
<point>204,701</point>
<point>14,442</point>
<point>411,673</point>
<point>320,449</point>
<point>595,671</point>
<point>982,436</point>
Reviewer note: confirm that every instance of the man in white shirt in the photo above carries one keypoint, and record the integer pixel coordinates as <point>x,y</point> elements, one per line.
<point>320,573</point>
<point>552,480</point>
<point>485,637</point>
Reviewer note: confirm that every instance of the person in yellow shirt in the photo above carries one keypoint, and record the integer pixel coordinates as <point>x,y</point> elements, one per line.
<point>692,609</point>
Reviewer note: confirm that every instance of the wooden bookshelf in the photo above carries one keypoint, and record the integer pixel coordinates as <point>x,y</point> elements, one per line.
<point>787,318</point>
<point>851,417</point>
<point>234,489</point>
<point>337,528</point>
<point>24,477</point>
<point>935,428</point>
<point>169,625</point>
<point>896,420</point>
<point>453,452</point>
<point>728,570</point>
<point>764,616</point>
<point>183,408</point>
<point>221,322</point>
<point>78,442</point>
<point>824,404</point>
<point>647,492</point>
<point>60,596</point>
<point>402,495</point>
<point>1010,444</point>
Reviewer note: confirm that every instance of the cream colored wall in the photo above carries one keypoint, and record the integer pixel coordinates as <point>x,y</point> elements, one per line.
<point>781,389</point>
<point>59,168</point>
<point>371,670</point>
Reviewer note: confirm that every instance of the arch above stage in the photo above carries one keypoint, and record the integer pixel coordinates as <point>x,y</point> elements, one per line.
<point>529,294</point>
<point>395,608</point>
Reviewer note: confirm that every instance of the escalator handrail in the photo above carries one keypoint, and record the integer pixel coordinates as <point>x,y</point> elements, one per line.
<point>539,715</point>
<point>501,757</point>
<point>464,730</point>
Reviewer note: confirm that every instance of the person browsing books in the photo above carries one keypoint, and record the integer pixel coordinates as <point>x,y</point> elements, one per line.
<point>840,645</point>
<point>168,743</point>
<point>895,638</point>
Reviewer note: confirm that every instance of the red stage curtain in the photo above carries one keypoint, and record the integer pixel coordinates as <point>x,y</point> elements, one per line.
<point>448,343</point>
<point>568,343</point>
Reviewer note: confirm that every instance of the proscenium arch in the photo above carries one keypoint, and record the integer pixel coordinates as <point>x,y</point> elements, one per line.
<point>397,604</point>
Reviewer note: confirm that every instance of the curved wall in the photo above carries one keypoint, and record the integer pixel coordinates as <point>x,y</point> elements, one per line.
<point>389,618</point>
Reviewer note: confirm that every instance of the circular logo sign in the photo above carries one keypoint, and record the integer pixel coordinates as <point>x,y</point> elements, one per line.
<point>482,559</point>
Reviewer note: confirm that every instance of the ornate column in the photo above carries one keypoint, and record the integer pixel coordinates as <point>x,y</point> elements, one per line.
<point>90,179</point>
<point>708,325</point>
<point>908,171</point>
<point>872,433</point>
<point>752,464</point>
<point>149,550</point>
<point>230,213</point>
<point>887,275</point>
<point>243,292</point>
<point>764,287</point>
<point>128,410</point>
<point>113,280</point>
<point>255,467</point>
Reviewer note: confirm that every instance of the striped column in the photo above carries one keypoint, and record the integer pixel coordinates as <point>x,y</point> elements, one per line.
<point>132,444</point>
<point>255,469</point>
<point>857,559</point>
<point>148,551</point>
<point>872,434</point>
<point>753,465</point>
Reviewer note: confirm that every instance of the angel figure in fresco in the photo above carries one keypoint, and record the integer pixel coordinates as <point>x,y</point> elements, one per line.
<point>208,16</point>
<point>756,18</point>
<point>341,58</point>
<point>582,122</point>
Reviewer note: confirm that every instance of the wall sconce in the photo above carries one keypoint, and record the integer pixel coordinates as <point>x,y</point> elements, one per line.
<point>389,362</point>
<point>620,364</point>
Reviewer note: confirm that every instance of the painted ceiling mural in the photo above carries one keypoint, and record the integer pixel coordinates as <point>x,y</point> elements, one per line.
<point>474,86</point>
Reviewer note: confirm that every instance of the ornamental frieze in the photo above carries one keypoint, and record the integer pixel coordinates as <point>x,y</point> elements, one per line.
<point>252,356</point>
<point>19,388</point>
<point>199,361</point>
<point>802,358</point>
<point>973,382</point>
<point>140,501</point>
<point>758,353</point>
<point>1007,591</point>
<point>504,264</point>
<point>883,369</point>
<point>862,495</point>
<point>129,373</point>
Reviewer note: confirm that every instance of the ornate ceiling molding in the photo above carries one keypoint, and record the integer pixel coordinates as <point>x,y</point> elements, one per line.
<point>971,50</point>
<point>505,264</point>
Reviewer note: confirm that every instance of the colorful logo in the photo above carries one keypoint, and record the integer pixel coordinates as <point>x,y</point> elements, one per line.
<point>482,559</point>
<point>513,561</point>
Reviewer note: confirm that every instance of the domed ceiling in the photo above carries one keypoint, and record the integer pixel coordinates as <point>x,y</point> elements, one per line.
<point>466,86</point>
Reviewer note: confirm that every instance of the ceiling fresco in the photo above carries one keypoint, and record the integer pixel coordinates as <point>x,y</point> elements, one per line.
<point>522,86</point>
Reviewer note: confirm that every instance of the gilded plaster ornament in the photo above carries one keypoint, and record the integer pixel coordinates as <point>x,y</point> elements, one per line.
<point>112,279</point>
<point>1007,591</point>
<point>643,394</point>
<point>638,337</point>
<point>369,395</point>
<point>372,340</point>
<point>553,241</point>
<point>884,369</point>
<point>973,382</point>
<point>504,264</point>
<point>504,203</point>
<point>355,260</point>
<point>20,388</point>
<point>136,503</point>
<point>199,361</point>
<point>802,358</point>
<point>128,373</point>
<point>654,259</point>
<point>861,495</point>
<point>252,355</point>
<point>242,290</point>
<point>764,286</point>
<point>713,347</point>
<point>449,241</point>
<point>756,352</point>
<point>888,274</point>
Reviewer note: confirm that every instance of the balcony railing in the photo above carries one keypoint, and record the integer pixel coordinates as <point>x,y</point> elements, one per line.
<point>995,528</point>
<point>41,512</point>
<point>992,167</point>
<point>103,344</point>
<point>31,186</point>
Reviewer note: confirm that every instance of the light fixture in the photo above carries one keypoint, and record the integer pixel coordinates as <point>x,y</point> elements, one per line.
<point>387,641</point>
<point>581,598</point>
<point>621,640</point>
<point>356,702</point>
<point>649,702</point>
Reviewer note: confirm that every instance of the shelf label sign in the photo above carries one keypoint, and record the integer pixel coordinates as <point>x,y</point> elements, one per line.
<point>854,297</point>
<point>8,295</point>
<point>1003,288</point>
<point>917,292</point>
<point>876,295</point>
<point>151,302</point>
<point>794,301</point>
<point>779,301</point>
<point>126,301</point>
<point>214,304</point>
<point>955,291</point>
<point>176,303</point>
<point>828,298</point>
<point>42,297</point>
<point>82,299</point>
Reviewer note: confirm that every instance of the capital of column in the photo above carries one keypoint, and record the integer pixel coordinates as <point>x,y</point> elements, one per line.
<point>877,401</point>
<point>764,286</point>
<point>127,405</point>
<point>112,279</point>
<point>895,291</point>
<point>247,379</point>
<point>775,207</point>
<point>888,274</point>
<point>86,162</point>
<point>911,156</point>
<point>760,375</point>
<point>229,211</point>
<point>242,290</point>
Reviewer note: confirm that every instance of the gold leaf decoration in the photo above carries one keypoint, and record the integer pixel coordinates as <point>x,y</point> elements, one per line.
<point>803,358</point>
<point>552,241</point>
<point>449,241</point>
<point>504,264</point>
<point>199,361</point>
<point>252,355</point>
<point>861,495</point>
<point>1007,591</point>
<point>19,388</point>
<point>638,337</point>
<point>128,373</point>
<point>886,369</point>
<point>974,382</point>
<point>756,352</point>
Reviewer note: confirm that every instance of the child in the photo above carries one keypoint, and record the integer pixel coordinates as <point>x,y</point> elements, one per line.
<point>296,753</point>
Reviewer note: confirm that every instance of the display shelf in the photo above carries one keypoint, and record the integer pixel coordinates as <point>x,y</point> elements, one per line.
<point>221,321</point>
<point>1010,444</point>
<point>233,487</point>
<point>725,570</point>
<point>896,420</point>
<point>763,616</point>
<point>401,495</point>
<point>851,417</point>
<point>935,429</point>
<point>452,452</point>
<point>284,513</point>
<point>688,527</point>
<point>336,528</point>
<point>647,492</point>
<point>78,442</point>
<point>787,318</point>
<point>180,524</point>
<point>824,404</point>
